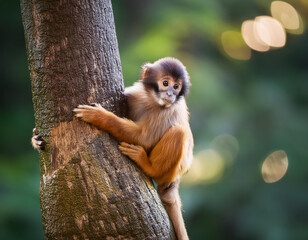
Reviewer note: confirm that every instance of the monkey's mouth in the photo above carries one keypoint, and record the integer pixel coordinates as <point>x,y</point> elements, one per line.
<point>165,102</point>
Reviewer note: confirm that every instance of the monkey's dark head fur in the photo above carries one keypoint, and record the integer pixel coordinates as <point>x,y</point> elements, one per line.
<point>172,67</point>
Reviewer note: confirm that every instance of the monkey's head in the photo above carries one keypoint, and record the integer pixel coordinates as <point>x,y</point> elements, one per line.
<point>166,80</point>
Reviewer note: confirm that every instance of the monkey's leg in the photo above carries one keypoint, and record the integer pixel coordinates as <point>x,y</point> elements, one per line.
<point>169,195</point>
<point>168,192</point>
<point>121,128</point>
<point>162,163</point>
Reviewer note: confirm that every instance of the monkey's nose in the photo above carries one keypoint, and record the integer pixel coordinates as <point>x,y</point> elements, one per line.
<point>169,94</point>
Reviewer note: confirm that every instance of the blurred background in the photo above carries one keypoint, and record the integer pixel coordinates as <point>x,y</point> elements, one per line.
<point>248,62</point>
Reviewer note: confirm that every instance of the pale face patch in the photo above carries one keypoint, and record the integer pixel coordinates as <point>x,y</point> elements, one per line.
<point>168,91</point>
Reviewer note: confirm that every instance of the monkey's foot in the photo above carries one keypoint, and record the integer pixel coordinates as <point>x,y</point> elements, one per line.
<point>89,112</point>
<point>37,140</point>
<point>134,152</point>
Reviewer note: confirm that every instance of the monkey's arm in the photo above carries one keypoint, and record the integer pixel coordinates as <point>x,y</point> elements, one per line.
<point>121,128</point>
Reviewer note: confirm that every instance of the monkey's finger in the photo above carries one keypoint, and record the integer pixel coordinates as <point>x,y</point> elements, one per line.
<point>83,107</point>
<point>91,106</point>
<point>34,131</point>
<point>96,105</point>
<point>40,143</point>
<point>126,151</point>
<point>132,146</point>
<point>127,146</point>
<point>78,112</point>
<point>37,137</point>
<point>124,144</point>
<point>79,115</point>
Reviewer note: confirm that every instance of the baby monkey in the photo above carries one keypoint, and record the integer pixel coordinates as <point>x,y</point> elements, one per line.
<point>157,135</point>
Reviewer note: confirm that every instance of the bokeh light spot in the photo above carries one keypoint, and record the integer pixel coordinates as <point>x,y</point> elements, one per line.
<point>287,15</point>
<point>275,166</point>
<point>234,45</point>
<point>207,168</point>
<point>270,31</point>
<point>250,37</point>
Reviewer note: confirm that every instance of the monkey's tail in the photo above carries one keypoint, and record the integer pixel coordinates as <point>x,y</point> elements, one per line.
<point>175,213</point>
<point>170,197</point>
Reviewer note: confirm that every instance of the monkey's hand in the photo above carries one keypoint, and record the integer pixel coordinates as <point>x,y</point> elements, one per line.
<point>91,113</point>
<point>37,141</point>
<point>134,152</point>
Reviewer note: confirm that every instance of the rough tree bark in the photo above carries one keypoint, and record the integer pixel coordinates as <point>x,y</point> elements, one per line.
<point>88,189</point>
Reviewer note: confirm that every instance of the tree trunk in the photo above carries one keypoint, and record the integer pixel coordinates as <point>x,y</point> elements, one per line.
<point>88,189</point>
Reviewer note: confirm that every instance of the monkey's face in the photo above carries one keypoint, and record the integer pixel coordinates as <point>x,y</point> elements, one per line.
<point>166,79</point>
<point>168,91</point>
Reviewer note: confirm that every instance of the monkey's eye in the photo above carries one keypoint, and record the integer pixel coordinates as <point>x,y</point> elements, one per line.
<point>165,83</point>
<point>176,86</point>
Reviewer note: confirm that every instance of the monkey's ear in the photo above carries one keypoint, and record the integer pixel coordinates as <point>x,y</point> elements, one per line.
<point>145,69</point>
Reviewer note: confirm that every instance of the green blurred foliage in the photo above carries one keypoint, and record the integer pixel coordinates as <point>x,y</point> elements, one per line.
<point>262,103</point>
<point>19,165</point>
